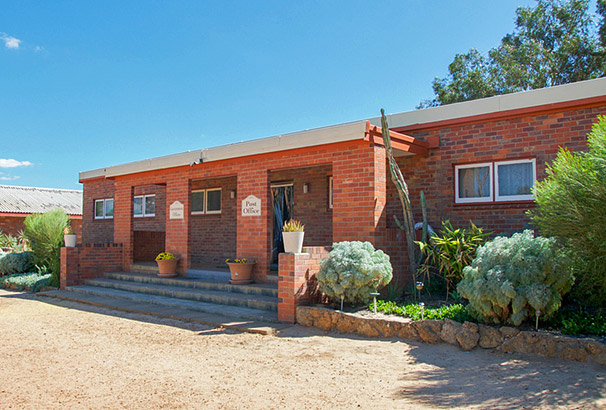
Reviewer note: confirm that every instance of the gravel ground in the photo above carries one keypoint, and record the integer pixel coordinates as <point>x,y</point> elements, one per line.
<point>65,355</point>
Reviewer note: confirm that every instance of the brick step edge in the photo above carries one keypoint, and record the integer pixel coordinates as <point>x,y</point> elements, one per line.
<point>185,315</point>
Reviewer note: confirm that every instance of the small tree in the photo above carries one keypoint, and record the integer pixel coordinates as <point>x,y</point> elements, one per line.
<point>571,208</point>
<point>45,235</point>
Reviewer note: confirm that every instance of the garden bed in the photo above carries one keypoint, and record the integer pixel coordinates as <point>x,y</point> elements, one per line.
<point>31,282</point>
<point>466,336</point>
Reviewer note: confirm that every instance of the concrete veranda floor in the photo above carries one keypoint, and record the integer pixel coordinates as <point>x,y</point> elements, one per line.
<point>64,355</point>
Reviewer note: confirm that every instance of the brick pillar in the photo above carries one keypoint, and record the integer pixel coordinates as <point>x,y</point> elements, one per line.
<point>253,231</point>
<point>177,230</point>
<point>123,221</point>
<point>359,194</point>
<point>70,261</point>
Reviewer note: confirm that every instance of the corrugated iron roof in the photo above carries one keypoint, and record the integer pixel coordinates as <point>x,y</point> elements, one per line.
<point>28,200</point>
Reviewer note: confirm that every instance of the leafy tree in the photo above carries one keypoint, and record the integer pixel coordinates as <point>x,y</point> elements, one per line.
<point>571,208</point>
<point>557,42</point>
<point>45,235</point>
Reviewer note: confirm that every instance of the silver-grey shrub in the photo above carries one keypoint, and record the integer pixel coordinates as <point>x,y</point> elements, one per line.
<point>512,278</point>
<point>354,270</point>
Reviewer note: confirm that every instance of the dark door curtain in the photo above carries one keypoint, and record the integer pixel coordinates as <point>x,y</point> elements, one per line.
<point>283,206</point>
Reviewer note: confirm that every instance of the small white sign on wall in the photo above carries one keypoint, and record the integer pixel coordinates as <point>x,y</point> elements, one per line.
<point>176,210</point>
<point>251,206</point>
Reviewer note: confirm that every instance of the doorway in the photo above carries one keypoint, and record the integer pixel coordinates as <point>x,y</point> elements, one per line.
<point>283,204</point>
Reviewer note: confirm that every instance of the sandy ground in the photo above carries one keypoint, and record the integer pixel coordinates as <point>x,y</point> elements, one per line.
<point>64,355</point>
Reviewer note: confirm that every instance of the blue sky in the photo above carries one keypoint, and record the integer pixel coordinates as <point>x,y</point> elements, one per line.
<point>85,85</point>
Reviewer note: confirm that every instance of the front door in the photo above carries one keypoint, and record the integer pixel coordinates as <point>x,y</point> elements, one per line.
<point>282,198</point>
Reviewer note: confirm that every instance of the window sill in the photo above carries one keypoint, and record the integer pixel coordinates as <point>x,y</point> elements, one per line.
<point>493,203</point>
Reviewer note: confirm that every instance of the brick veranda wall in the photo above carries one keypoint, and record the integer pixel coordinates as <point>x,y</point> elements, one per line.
<point>525,136</point>
<point>297,284</point>
<point>88,262</point>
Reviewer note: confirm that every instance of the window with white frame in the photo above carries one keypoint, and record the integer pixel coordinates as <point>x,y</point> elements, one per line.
<point>498,181</point>
<point>144,205</point>
<point>104,208</point>
<point>206,201</point>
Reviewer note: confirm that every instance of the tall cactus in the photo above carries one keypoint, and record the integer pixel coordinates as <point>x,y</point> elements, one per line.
<point>398,179</point>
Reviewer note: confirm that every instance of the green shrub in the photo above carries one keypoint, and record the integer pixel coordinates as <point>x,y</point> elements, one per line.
<point>571,208</point>
<point>11,263</point>
<point>45,235</point>
<point>25,281</point>
<point>450,251</point>
<point>455,312</point>
<point>354,270</point>
<point>511,278</point>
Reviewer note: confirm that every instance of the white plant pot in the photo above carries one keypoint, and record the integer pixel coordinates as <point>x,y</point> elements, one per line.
<point>293,241</point>
<point>70,241</point>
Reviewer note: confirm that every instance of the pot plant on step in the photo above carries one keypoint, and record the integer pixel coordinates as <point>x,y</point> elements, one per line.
<point>69,237</point>
<point>167,265</point>
<point>292,234</point>
<point>241,271</point>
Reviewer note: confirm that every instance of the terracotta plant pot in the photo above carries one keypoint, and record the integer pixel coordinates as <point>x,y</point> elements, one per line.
<point>293,241</point>
<point>70,240</point>
<point>167,268</point>
<point>241,273</point>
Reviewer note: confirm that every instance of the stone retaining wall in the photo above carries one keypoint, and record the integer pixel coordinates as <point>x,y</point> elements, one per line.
<point>466,336</point>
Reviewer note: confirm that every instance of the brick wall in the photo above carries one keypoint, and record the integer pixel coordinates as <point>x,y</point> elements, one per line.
<point>88,262</point>
<point>311,208</point>
<point>212,237</point>
<point>12,225</point>
<point>96,230</point>
<point>297,284</point>
<point>538,136</point>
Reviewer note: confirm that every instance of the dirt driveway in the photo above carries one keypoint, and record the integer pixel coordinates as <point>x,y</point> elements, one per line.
<point>64,355</point>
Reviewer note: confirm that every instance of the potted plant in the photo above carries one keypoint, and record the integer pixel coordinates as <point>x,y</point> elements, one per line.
<point>167,265</point>
<point>69,237</point>
<point>292,233</point>
<point>241,270</point>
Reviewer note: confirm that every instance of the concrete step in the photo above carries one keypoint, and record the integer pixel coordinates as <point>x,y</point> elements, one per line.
<point>171,302</point>
<point>216,285</point>
<point>171,311</point>
<point>258,302</point>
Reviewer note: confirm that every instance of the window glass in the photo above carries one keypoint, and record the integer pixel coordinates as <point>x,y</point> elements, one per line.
<point>138,206</point>
<point>213,201</point>
<point>109,208</point>
<point>515,179</point>
<point>150,205</point>
<point>98,209</point>
<point>197,201</point>
<point>474,182</point>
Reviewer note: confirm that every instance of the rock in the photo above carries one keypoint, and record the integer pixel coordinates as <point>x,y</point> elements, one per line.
<point>571,349</point>
<point>306,315</point>
<point>429,330</point>
<point>326,320</point>
<point>366,328</point>
<point>597,352</point>
<point>386,328</point>
<point>408,331</point>
<point>490,337</point>
<point>543,344</point>
<point>346,323</point>
<point>467,338</point>
<point>508,332</point>
<point>515,344</point>
<point>449,331</point>
<point>473,327</point>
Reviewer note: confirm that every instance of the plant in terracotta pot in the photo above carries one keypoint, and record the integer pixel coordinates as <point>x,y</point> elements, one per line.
<point>69,237</point>
<point>167,265</point>
<point>292,234</point>
<point>241,270</point>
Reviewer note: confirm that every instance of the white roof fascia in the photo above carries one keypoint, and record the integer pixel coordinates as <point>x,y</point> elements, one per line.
<point>318,136</point>
<point>500,103</point>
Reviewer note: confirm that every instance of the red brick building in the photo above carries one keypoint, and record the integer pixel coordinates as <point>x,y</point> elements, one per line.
<point>17,202</point>
<point>476,160</point>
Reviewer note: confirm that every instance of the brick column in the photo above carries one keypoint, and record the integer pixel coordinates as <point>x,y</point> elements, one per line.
<point>70,261</point>
<point>359,194</point>
<point>123,221</point>
<point>253,231</point>
<point>177,230</point>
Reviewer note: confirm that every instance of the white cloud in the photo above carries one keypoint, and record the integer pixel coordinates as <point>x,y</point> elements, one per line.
<point>10,41</point>
<point>13,163</point>
<point>8,178</point>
